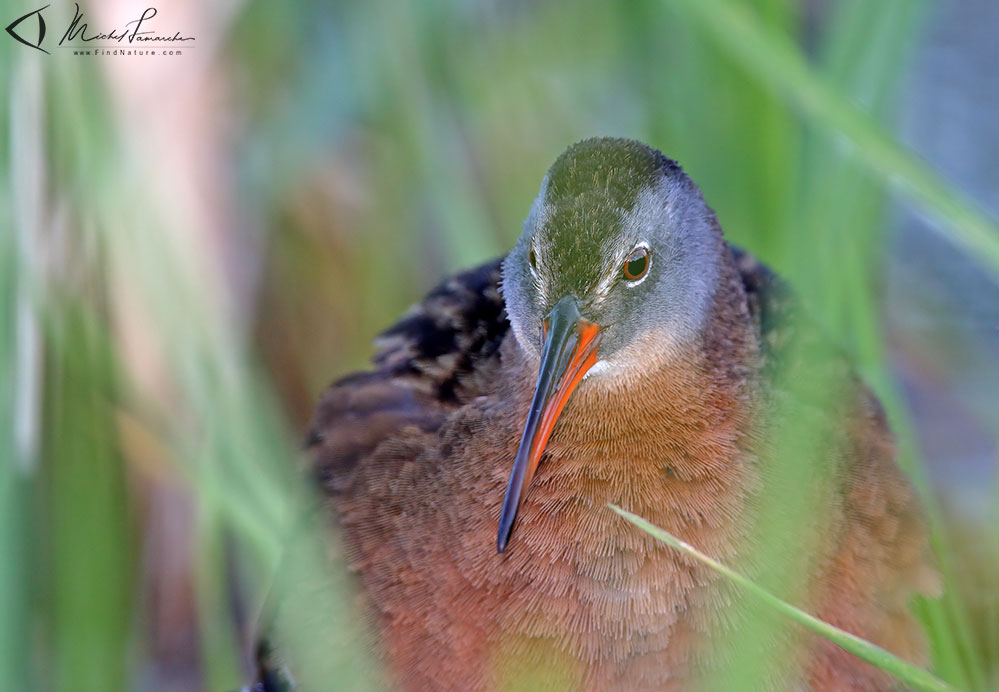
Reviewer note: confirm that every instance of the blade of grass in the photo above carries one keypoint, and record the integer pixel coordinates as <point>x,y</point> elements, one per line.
<point>908,673</point>
<point>17,172</point>
<point>219,648</point>
<point>14,578</point>
<point>91,577</point>
<point>992,632</point>
<point>779,65</point>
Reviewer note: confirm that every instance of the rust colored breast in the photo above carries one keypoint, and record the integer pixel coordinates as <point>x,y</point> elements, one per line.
<point>580,597</point>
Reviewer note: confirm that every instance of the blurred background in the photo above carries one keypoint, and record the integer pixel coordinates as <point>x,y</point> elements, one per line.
<point>192,246</point>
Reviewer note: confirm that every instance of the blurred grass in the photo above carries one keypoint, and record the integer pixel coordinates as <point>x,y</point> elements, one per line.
<point>14,573</point>
<point>377,146</point>
<point>87,581</point>
<point>778,65</point>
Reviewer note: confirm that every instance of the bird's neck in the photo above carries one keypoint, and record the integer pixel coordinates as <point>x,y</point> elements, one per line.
<point>674,435</point>
<point>695,397</point>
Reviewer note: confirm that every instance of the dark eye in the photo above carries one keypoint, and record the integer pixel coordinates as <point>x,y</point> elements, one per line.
<point>532,259</point>
<point>637,264</point>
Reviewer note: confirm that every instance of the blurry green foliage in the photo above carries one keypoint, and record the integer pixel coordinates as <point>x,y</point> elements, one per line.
<point>381,145</point>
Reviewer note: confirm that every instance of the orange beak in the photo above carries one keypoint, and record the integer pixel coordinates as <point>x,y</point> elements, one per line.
<point>569,350</point>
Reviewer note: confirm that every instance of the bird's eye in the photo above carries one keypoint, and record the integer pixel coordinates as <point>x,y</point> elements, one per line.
<point>637,264</point>
<point>532,258</point>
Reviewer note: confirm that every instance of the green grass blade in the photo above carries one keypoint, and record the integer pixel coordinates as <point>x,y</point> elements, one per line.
<point>91,579</point>
<point>779,65</point>
<point>15,591</point>
<point>911,675</point>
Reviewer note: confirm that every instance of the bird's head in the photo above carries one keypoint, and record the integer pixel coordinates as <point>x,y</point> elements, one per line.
<point>614,271</point>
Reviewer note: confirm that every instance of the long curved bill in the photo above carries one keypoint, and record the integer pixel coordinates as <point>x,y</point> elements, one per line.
<point>569,350</point>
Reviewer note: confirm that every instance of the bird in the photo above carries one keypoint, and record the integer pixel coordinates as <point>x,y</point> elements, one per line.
<point>622,353</point>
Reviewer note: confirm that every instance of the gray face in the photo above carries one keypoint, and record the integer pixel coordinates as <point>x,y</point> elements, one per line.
<point>600,201</point>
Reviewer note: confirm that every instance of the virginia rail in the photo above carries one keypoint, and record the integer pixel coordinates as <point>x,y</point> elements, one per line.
<point>621,353</point>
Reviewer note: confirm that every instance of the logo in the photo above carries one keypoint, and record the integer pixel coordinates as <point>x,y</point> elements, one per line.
<point>40,30</point>
<point>90,41</point>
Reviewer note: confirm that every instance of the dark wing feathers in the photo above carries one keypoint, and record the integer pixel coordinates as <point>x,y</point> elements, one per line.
<point>421,374</point>
<point>771,302</point>
<point>441,338</point>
